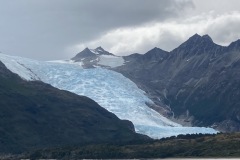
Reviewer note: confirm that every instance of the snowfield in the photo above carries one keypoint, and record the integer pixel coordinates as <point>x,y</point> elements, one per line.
<point>110,89</point>
<point>111,61</point>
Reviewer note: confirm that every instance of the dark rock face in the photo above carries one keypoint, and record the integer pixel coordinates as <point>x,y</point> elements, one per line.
<point>101,51</point>
<point>198,82</point>
<point>92,54</point>
<point>84,54</point>
<point>37,115</point>
<point>90,57</point>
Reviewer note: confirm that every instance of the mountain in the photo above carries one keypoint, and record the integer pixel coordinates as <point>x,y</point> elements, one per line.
<point>36,115</point>
<point>84,54</point>
<point>90,58</point>
<point>153,55</point>
<point>196,84</point>
<point>108,88</point>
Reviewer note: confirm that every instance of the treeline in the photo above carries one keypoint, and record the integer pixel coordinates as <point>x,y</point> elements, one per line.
<point>191,145</point>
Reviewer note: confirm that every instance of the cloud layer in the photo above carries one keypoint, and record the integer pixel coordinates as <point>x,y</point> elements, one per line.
<point>168,35</point>
<point>58,29</point>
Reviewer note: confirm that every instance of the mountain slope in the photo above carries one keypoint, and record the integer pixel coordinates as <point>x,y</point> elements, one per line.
<point>36,115</point>
<point>110,89</point>
<point>198,82</point>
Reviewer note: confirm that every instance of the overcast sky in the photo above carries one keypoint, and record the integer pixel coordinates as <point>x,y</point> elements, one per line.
<point>58,29</point>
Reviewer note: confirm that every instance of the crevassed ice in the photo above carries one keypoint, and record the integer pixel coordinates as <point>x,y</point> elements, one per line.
<point>110,89</point>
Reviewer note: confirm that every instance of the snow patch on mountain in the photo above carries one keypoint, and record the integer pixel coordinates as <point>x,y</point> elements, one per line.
<point>90,58</point>
<point>111,61</point>
<point>94,51</point>
<point>110,89</point>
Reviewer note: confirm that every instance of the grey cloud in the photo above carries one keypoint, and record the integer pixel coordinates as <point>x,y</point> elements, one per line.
<point>44,29</point>
<point>219,7</point>
<point>225,31</point>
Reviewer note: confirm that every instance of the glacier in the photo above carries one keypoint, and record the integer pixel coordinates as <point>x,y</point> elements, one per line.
<point>109,89</point>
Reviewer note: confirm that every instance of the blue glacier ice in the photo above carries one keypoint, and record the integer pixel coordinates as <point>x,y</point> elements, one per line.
<point>110,89</point>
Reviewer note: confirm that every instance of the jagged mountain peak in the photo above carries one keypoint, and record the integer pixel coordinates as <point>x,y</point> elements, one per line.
<point>197,44</point>
<point>196,38</point>
<point>155,52</point>
<point>90,58</point>
<point>83,54</point>
<point>99,48</point>
<point>91,53</point>
<point>206,37</point>
<point>86,49</point>
<point>154,55</point>
<point>156,49</point>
